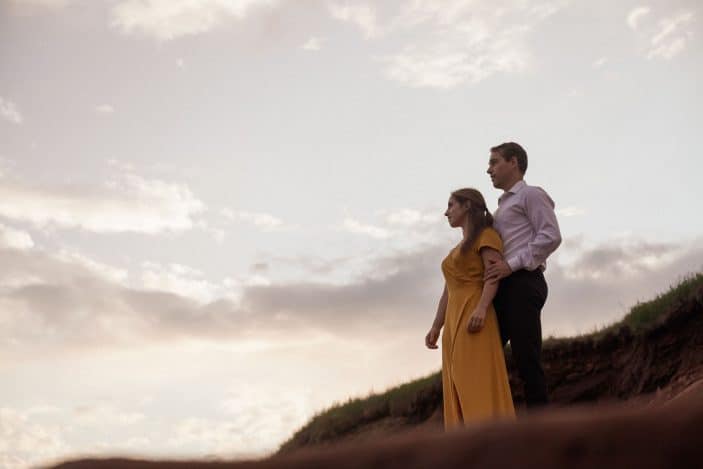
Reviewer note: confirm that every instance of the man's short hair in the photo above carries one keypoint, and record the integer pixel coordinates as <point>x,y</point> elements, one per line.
<point>510,150</point>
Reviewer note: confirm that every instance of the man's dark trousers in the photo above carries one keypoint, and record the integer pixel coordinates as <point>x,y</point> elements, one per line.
<point>518,305</point>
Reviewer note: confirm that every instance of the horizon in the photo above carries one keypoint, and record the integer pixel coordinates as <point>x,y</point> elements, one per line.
<point>220,217</point>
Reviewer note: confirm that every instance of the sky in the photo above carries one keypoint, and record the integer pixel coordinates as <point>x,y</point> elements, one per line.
<point>220,217</point>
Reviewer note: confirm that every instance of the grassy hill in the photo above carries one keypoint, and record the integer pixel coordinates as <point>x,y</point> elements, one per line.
<point>647,350</point>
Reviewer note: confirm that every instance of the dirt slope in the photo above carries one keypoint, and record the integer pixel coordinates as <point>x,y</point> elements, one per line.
<point>651,365</point>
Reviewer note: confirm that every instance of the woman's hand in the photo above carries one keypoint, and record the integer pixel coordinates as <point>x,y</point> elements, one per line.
<point>476,320</point>
<point>431,337</point>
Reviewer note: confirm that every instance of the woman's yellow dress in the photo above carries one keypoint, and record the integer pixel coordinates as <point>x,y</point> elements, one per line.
<point>474,377</point>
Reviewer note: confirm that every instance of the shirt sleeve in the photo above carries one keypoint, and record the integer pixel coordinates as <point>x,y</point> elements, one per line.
<point>539,209</point>
<point>489,238</point>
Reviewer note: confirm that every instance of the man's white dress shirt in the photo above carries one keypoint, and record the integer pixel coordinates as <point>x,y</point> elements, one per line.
<point>526,221</point>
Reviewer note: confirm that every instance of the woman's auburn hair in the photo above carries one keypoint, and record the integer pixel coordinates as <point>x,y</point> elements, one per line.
<point>479,216</point>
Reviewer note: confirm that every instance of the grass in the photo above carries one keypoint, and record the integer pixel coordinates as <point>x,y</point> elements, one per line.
<point>343,417</point>
<point>643,314</point>
<point>397,401</point>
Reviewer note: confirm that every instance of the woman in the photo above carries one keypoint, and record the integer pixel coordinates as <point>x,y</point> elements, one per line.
<point>474,377</point>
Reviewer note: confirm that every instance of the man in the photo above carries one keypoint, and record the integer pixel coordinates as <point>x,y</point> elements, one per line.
<point>526,221</point>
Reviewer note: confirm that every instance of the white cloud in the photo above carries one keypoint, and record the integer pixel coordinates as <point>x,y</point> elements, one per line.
<point>107,272</point>
<point>121,165</point>
<point>221,438</point>
<point>256,280</point>
<point>457,41</point>
<point>265,221</point>
<point>25,443</point>
<point>312,44</point>
<point>179,279</point>
<point>262,220</point>
<point>570,211</point>
<point>636,15</point>
<point>668,50</point>
<point>409,217</point>
<point>354,226</point>
<point>127,203</point>
<point>14,239</point>
<point>361,15</point>
<point>218,234</point>
<point>671,37</point>
<point>105,109</point>
<point>600,62</point>
<point>261,420</point>
<point>66,303</point>
<point>169,19</point>
<point>104,415</point>
<point>9,112</point>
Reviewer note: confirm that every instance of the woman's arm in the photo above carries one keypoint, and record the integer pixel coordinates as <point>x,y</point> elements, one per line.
<point>433,334</point>
<point>490,287</point>
<point>441,310</point>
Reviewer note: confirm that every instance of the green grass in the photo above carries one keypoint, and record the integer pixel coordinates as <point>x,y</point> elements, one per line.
<point>397,401</point>
<point>644,314</point>
<point>343,417</point>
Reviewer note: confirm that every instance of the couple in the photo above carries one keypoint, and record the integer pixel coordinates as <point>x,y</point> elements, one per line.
<point>494,293</point>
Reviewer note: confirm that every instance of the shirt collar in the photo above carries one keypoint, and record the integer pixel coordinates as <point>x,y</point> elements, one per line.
<point>517,187</point>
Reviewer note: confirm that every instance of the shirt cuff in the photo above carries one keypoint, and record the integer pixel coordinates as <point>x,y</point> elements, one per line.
<point>514,263</point>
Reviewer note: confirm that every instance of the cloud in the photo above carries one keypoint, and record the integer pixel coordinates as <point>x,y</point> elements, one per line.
<point>104,271</point>
<point>636,15</point>
<point>105,109</point>
<point>125,203</point>
<point>600,62</point>
<point>25,443</point>
<point>455,42</point>
<point>409,224</point>
<point>570,211</point>
<point>602,282</point>
<point>354,226</point>
<point>411,217</point>
<point>671,37</point>
<point>51,303</point>
<point>179,279</point>
<point>104,415</point>
<point>15,239</point>
<point>170,19</point>
<point>9,112</point>
<point>361,15</point>
<point>265,221</point>
<point>312,44</point>
<point>121,165</point>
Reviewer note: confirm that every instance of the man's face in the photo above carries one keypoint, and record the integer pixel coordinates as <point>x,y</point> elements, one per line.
<point>502,172</point>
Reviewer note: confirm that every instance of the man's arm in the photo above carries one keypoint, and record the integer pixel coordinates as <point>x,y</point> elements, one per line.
<point>539,209</point>
<point>490,287</point>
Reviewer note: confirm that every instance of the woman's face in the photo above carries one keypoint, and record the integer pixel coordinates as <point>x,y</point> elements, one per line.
<point>456,213</point>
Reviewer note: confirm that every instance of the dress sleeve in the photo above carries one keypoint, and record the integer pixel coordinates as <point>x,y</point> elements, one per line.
<point>489,238</point>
